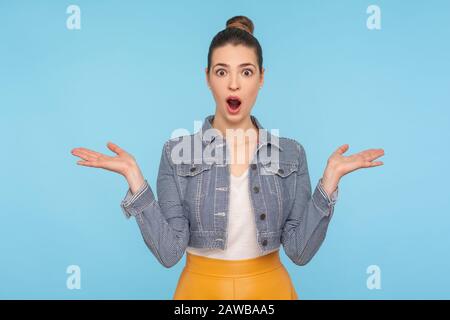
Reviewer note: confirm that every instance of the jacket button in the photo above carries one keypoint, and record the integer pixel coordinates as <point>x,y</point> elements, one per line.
<point>193,169</point>
<point>280,171</point>
<point>253,166</point>
<point>264,243</point>
<point>262,216</point>
<point>256,189</point>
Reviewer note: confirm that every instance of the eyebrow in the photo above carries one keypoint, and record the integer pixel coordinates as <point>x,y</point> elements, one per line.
<point>241,65</point>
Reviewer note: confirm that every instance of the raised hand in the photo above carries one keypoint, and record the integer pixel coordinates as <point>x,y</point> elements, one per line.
<point>119,163</point>
<point>346,164</point>
<point>123,163</point>
<point>339,165</point>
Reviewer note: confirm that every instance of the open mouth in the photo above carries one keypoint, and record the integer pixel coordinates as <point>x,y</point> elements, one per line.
<point>233,104</point>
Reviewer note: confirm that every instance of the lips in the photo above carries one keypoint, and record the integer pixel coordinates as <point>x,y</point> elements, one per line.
<point>233,103</point>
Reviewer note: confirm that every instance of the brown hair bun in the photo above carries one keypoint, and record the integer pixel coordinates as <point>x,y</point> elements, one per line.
<point>241,22</point>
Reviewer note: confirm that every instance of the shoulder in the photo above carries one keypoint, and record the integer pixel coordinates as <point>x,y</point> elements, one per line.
<point>183,143</point>
<point>291,148</point>
<point>172,142</point>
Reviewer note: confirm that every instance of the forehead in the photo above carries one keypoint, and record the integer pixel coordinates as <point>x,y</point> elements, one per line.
<point>233,55</point>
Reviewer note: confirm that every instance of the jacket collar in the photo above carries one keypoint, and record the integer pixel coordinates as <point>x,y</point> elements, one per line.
<point>265,137</point>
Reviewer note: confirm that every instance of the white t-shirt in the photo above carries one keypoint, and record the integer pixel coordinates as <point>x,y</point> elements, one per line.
<point>241,241</point>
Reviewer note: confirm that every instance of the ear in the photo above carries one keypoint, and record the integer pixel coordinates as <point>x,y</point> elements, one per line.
<point>207,77</point>
<point>261,81</point>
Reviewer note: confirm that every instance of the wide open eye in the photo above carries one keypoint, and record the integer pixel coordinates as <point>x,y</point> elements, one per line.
<point>220,72</point>
<point>248,72</point>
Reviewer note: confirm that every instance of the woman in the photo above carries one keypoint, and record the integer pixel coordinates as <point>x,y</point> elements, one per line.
<point>231,217</point>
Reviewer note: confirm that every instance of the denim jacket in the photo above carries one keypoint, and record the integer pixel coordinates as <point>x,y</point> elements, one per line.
<point>193,199</point>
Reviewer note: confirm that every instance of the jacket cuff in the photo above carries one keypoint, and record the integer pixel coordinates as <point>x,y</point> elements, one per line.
<point>323,201</point>
<point>133,204</point>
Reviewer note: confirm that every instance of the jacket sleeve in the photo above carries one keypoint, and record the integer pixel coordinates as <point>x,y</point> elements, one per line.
<point>163,222</point>
<point>307,223</point>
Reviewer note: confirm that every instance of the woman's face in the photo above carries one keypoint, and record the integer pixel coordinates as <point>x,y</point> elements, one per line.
<point>234,79</point>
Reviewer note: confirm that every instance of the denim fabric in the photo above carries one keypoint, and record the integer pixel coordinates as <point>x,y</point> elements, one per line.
<point>193,199</point>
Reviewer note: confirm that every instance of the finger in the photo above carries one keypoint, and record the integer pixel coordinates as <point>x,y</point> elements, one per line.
<point>89,152</point>
<point>115,148</point>
<point>369,164</point>
<point>342,148</point>
<point>80,154</point>
<point>372,154</point>
<point>87,163</point>
<point>85,155</point>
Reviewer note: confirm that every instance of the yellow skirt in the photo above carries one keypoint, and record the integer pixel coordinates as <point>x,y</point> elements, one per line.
<point>260,278</point>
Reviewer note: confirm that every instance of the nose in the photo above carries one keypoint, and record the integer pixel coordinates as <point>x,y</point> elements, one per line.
<point>234,81</point>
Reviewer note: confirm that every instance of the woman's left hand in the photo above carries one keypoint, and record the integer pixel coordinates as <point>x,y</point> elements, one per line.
<point>339,165</point>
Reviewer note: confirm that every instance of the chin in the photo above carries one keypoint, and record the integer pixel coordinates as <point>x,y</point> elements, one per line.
<point>235,118</point>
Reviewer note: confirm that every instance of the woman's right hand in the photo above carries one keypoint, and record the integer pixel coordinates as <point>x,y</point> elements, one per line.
<point>124,163</point>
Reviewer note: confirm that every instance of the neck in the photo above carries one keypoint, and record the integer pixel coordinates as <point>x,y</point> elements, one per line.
<point>222,124</point>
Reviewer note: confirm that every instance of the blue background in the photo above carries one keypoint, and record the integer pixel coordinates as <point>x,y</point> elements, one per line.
<point>135,72</point>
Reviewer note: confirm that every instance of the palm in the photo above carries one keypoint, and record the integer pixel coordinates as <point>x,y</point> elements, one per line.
<point>346,164</point>
<point>118,163</point>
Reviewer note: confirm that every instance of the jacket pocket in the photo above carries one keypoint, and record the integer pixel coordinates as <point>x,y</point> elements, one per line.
<point>282,178</point>
<point>195,181</point>
<point>191,170</point>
